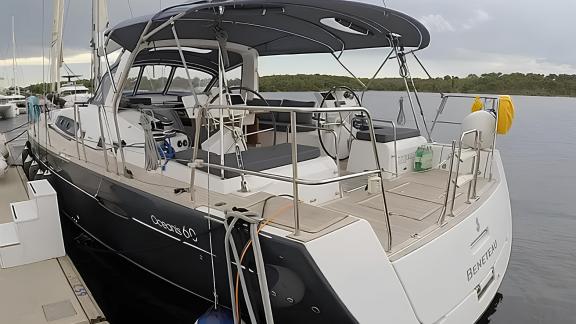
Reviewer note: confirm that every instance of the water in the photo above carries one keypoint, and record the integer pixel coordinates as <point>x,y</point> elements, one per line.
<point>539,156</point>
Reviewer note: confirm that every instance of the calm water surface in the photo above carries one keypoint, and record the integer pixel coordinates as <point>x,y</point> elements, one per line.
<point>540,286</point>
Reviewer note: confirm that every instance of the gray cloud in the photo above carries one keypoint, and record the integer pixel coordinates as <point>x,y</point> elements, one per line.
<point>467,36</point>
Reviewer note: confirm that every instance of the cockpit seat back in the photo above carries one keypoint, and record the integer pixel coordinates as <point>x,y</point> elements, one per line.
<point>385,134</point>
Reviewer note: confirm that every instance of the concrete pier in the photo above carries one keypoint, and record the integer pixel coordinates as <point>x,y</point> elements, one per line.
<point>48,291</point>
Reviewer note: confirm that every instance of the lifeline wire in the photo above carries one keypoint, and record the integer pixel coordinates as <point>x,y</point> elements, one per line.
<point>210,227</point>
<point>13,129</point>
<point>16,137</point>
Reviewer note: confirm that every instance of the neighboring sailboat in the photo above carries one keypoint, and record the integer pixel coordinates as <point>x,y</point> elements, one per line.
<point>410,231</point>
<point>70,93</point>
<point>13,104</point>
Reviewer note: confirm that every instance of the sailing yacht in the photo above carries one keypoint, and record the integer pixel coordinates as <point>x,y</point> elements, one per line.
<point>70,93</point>
<point>13,104</point>
<point>244,201</point>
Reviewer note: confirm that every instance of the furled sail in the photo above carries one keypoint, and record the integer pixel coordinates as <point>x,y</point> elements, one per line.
<point>56,57</point>
<point>99,25</point>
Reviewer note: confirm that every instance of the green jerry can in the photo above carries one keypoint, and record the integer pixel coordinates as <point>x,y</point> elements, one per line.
<point>423,159</point>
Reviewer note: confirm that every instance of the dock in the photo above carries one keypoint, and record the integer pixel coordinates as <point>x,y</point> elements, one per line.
<point>44,291</point>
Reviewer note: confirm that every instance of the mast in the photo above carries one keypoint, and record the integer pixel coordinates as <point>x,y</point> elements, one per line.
<point>14,86</point>
<point>56,46</point>
<point>99,25</point>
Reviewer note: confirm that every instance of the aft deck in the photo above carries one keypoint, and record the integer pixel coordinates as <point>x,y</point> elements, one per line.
<point>415,201</point>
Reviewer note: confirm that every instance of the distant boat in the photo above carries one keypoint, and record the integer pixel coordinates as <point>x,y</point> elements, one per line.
<point>14,104</point>
<point>71,94</point>
<point>8,108</point>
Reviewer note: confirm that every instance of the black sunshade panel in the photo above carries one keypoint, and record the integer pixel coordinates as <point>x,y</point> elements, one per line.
<point>275,27</point>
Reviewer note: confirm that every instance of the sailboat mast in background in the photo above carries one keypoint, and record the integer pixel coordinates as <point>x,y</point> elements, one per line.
<point>14,86</point>
<point>99,25</point>
<point>56,45</point>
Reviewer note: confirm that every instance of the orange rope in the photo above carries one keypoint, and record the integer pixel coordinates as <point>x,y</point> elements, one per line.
<point>245,250</point>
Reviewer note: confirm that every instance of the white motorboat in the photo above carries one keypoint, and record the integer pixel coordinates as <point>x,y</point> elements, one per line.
<point>8,108</point>
<point>74,94</point>
<point>243,201</point>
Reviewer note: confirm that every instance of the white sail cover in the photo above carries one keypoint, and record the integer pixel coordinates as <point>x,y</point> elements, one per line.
<point>99,25</point>
<point>56,45</point>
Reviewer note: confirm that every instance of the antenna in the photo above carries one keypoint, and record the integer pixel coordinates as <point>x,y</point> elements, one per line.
<point>16,89</point>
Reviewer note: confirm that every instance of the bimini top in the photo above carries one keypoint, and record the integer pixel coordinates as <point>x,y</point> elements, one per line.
<point>275,27</point>
<point>204,61</point>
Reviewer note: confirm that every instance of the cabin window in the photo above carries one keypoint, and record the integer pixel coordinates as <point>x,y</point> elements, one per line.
<point>154,79</point>
<point>234,77</point>
<point>180,80</point>
<point>132,80</point>
<point>67,125</point>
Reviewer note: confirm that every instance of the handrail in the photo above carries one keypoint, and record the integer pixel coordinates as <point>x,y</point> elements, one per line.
<point>333,132</point>
<point>295,191</point>
<point>445,207</point>
<point>199,165</point>
<point>444,101</point>
<point>459,156</point>
<point>288,109</point>
<point>469,96</point>
<point>395,141</point>
<point>75,130</point>
<point>294,179</point>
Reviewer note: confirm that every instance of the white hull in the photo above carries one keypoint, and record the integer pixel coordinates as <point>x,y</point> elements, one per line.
<point>9,110</point>
<point>446,280</point>
<point>429,244</point>
<point>71,100</point>
<point>449,275</point>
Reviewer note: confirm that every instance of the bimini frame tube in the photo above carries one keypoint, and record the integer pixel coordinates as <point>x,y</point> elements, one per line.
<point>124,77</point>
<point>118,94</point>
<point>190,84</point>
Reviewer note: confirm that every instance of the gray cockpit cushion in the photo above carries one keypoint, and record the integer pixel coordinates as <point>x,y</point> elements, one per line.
<point>255,159</point>
<point>281,120</point>
<point>385,134</point>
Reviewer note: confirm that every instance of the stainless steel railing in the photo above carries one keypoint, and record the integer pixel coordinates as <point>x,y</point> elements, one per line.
<point>443,103</point>
<point>395,142</point>
<point>472,185</point>
<point>490,103</point>
<point>295,180</point>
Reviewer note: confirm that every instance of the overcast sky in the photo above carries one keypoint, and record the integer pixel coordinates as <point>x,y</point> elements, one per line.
<point>467,36</point>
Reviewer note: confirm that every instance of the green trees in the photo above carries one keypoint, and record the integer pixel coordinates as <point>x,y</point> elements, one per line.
<point>39,88</point>
<point>494,83</point>
<point>529,84</point>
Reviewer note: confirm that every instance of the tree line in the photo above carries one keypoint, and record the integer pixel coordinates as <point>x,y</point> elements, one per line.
<point>491,83</point>
<point>530,84</point>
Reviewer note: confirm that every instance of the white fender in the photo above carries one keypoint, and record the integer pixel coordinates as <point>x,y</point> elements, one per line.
<point>483,121</point>
<point>3,149</point>
<point>3,166</point>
